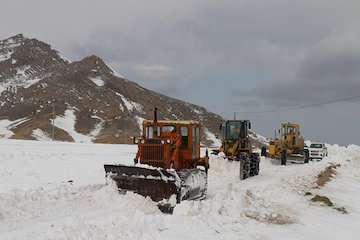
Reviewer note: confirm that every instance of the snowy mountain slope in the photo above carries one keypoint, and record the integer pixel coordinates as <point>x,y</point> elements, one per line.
<point>58,191</point>
<point>36,83</point>
<point>24,62</point>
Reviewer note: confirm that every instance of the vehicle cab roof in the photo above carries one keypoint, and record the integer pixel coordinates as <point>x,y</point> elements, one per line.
<point>171,122</point>
<point>288,124</point>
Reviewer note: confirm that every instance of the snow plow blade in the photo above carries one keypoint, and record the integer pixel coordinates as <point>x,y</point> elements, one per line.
<point>157,184</point>
<point>167,187</point>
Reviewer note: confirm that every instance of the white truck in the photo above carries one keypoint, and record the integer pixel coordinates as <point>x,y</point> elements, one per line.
<point>317,151</point>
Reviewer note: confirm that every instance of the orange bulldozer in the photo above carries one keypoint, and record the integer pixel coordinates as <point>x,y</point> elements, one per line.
<point>167,167</point>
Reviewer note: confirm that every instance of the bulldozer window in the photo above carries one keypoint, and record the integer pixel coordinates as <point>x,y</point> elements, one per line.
<point>152,131</point>
<point>184,137</point>
<point>168,128</point>
<point>195,141</point>
<point>197,135</point>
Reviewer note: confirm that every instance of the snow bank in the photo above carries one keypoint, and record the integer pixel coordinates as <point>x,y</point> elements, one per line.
<point>58,191</point>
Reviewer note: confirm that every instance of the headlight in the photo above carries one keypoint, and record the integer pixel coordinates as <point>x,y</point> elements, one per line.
<point>142,141</point>
<point>168,141</point>
<point>162,142</point>
<point>136,141</point>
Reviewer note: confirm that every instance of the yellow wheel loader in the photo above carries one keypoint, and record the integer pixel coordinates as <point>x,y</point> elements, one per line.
<point>288,146</point>
<point>236,145</point>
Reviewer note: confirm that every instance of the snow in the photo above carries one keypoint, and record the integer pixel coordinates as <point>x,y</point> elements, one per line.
<point>40,135</point>
<point>140,121</point>
<point>259,138</point>
<point>197,111</point>
<point>67,123</point>
<point>4,129</point>
<point>63,57</point>
<point>55,190</point>
<point>29,82</point>
<point>131,105</point>
<point>5,56</point>
<point>98,81</point>
<point>98,127</point>
<point>21,71</point>
<point>6,126</point>
<point>21,79</point>
<point>121,107</point>
<point>115,73</point>
<point>210,136</point>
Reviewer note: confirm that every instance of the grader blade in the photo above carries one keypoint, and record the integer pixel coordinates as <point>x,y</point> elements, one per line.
<point>298,158</point>
<point>157,184</point>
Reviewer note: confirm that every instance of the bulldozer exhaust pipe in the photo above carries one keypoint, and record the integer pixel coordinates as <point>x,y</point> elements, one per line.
<point>155,115</point>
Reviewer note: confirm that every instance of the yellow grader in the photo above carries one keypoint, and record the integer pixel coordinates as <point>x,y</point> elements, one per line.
<point>288,146</point>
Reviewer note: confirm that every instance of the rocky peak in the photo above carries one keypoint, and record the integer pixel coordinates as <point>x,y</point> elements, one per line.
<point>91,64</point>
<point>25,61</point>
<point>12,41</point>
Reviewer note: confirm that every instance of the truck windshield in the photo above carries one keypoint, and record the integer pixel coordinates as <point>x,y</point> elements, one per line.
<point>316,145</point>
<point>233,130</point>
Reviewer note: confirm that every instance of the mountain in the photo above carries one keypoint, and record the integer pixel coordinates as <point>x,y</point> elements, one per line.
<point>87,100</point>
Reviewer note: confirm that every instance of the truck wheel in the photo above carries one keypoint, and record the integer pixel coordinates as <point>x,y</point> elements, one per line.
<point>306,155</point>
<point>263,151</point>
<point>283,158</point>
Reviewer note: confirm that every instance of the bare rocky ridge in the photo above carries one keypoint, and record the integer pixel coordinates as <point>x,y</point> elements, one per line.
<point>101,105</point>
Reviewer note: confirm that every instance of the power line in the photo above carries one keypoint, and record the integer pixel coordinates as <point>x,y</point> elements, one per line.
<point>303,106</point>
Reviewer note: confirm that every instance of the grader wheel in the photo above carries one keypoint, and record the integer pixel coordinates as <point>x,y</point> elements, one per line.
<point>283,158</point>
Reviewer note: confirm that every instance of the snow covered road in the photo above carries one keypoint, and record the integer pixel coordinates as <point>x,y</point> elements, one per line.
<point>58,191</point>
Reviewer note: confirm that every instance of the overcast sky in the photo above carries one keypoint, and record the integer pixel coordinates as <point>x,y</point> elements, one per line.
<point>240,55</point>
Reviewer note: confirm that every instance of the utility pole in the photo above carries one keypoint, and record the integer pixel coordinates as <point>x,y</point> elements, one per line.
<point>234,115</point>
<point>53,121</point>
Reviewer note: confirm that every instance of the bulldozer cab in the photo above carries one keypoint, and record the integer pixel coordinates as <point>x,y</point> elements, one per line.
<point>170,144</point>
<point>171,149</point>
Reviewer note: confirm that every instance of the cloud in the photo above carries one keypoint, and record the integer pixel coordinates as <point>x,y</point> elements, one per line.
<point>231,55</point>
<point>331,70</point>
<point>153,71</point>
